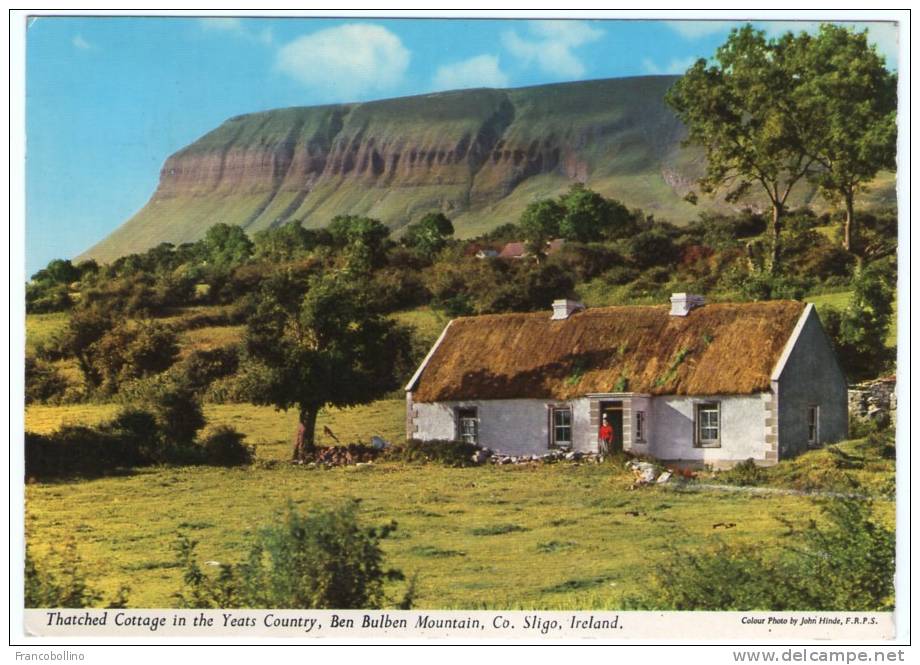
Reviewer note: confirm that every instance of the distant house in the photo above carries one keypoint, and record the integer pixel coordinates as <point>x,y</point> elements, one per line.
<point>518,250</point>
<point>480,250</point>
<point>694,383</point>
<point>513,250</point>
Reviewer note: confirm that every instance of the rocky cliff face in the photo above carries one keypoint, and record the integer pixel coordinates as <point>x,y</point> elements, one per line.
<point>480,156</point>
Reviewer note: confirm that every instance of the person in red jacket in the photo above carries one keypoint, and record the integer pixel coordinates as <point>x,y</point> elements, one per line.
<point>605,437</point>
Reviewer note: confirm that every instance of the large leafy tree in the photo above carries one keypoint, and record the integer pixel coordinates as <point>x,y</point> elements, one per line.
<point>325,347</point>
<point>540,223</point>
<point>365,240</point>
<point>429,235</point>
<point>849,100</point>
<point>740,108</point>
<point>590,216</point>
<point>225,246</point>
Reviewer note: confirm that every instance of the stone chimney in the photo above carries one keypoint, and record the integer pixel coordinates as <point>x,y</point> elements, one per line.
<point>682,303</point>
<point>563,309</point>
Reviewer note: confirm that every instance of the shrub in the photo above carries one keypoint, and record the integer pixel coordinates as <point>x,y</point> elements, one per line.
<point>44,382</point>
<point>326,560</point>
<point>129,351</point>
<point>619,275</point>
<point>224,446</point>
<point>135,437</point>
<point>859,331</point>
<point>137,430</point>
<point>77,450</point>
<point>881,444</point>
<point>393,289</point>
<point>845,564</point>
<point>448,453</point>
<point>43,297</point>
<point>173,403</point>
<point>762,286</point>
<point>746,473</point>
<point>652,248</point>
<point>202,367</point>
<point>59,581</point>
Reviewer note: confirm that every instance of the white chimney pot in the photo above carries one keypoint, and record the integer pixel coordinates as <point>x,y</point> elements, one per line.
<point>682,303</point>
<point>563,309</point>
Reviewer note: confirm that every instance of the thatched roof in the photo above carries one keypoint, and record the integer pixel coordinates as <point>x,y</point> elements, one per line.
<point>718,349</point>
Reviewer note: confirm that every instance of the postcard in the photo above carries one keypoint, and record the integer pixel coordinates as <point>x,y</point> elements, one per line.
<point>412,327</point>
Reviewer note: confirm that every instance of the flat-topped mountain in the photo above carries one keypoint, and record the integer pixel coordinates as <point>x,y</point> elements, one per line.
<point>480,156</point>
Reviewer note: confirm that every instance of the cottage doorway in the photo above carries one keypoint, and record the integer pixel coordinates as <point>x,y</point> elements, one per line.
<point>614,412</point>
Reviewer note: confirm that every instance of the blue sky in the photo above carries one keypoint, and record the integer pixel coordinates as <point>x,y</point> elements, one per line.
<point>108,99</point>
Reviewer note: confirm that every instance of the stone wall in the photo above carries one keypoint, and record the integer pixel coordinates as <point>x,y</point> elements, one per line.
<point>874,400</point>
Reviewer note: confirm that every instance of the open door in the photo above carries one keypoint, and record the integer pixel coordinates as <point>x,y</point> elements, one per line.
<point>614,412</point>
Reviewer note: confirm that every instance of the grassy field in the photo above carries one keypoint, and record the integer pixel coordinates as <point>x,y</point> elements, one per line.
<point>557,536</point>
<point>553,537</point>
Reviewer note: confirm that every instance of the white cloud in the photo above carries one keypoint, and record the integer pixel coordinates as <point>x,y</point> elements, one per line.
<point>81,43</point>
<point>699,29</point>
<point>675,66</point>
<point>237,28</point>
<point>351,59</point>
<point>482,71</point>
<point>549,44</point>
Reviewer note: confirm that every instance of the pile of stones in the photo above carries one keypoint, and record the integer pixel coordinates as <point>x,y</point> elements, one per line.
<point>874,400</point>
<point>353,453</point>
<point>486,456</point>
<point>647,473</point>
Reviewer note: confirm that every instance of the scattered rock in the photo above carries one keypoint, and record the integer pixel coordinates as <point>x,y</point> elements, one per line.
<point>481,456</point>
<point>353,453</point>
<point>379,444</point>
<point>648,475</point>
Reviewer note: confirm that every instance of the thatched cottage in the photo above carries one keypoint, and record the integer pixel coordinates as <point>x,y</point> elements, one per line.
<point>695,383</point>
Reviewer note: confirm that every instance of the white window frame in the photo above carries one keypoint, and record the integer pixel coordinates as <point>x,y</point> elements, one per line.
<point>462,417</point>
<point>640,426</point>
<point>554,440</point>
<point>813,423</point>
<point>698,425</point>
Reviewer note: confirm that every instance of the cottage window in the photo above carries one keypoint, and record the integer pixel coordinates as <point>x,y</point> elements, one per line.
<point>813,428</point>
<point>640,426</point>
<point>562,428</point>
<point>468,426</point>
<point>707,424</point>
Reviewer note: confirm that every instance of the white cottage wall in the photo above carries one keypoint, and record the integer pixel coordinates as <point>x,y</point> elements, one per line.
<point>741,421</point>
<point>584,437</point>
<point>512,427</point>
